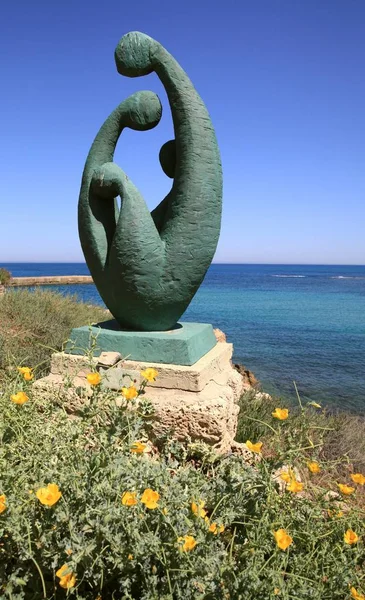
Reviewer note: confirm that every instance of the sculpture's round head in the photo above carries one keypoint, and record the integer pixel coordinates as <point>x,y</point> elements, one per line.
<point>142,111</point>
<point>133,54</point>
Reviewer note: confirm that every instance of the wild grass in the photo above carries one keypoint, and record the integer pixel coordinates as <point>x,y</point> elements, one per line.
<point>33,324</point>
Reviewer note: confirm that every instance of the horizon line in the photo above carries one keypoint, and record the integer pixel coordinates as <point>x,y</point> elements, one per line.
<point>299,264</point>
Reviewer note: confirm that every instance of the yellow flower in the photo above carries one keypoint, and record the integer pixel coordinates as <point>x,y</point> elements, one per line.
<point>198,509</point>
<point>28,376</point>
<point>295,486</point>
<point>24,370</point>
<point>214,528</point>
<point>355,594</point>
<point>254,447</point>
<point>2,503</point>
<point>150,374</point>
<point>130,557</point>
<point>280,413</point>
<point>49,495</point>
<point>351,537</point>
<point>93,378</point>
<point>129,499</point>
<point>165,511</point>
<point>358,478</point>
<point>19,398</point>
<point>138,447</point>
<point>150,498</point>
<point>68,551</point>
<point>313,467</point>
<point>276,591</point>
<point>129,393</point>
<point>282,539</point>
<point>189,543</point>
<point>346,489</point>
<point>285,476</point>
<point>67,578</point>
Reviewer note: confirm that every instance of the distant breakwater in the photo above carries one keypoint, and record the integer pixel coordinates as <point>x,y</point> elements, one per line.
<point>53,280</point>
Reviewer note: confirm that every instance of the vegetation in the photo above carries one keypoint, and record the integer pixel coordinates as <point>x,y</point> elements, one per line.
<point>91,508</point>
<point>5,276</point>
<point>36,323</point>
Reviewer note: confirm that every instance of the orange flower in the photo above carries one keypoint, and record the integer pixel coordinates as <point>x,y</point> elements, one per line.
<point>313,467</point>
<point>214,528</point>
<point>282,539</point>
<point>66,576</point>
<point>28,376</point>
<point>94,378</point>
<point>49,495</point>
<point>351,537</point>
<point>19,398</point>
<point>198,509</point>
<point>189,543</point>
<point>254,447</point>
<point>280,413</point>
<point>150,498</point>
<point>358,478</point>
<point>129,393</point>
<point>346,489</point>
<point>2,503</point>
<point>355,594</point>
<point>129,499</point>
<point>295,486</point>
<point>150,374</point>
<point>138,447</point>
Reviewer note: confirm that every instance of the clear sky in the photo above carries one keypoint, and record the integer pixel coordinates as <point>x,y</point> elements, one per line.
<point>283,81</point>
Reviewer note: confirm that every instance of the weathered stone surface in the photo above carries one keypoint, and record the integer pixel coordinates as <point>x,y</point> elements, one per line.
<point>209,415</point>
<point>72,365</point>
<point>190,378</point>
<point>220,335</point>
<point>109,359</point>
<point>148,266</point>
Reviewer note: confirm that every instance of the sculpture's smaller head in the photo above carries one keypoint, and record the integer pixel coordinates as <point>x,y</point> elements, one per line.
<point>142,111</point>
<point>133,54</point>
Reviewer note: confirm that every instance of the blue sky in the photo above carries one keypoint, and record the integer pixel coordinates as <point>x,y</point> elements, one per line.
<point>283,81</point>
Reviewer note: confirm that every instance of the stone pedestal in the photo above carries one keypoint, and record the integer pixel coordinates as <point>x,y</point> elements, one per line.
<point>198,401</point>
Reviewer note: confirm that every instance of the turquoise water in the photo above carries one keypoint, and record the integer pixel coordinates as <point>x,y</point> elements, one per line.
<point>287,322</point>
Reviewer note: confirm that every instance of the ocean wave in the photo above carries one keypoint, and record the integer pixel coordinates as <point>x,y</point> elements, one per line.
<point>296,276</point>
<point>347,277</point>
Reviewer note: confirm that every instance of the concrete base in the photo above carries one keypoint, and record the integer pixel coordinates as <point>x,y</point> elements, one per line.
<point>199,402</point>
<point>183,345</point>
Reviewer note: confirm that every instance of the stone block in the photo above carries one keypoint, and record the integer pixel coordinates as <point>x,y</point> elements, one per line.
<point>190,378</point>
<point>183,345</point>
<point>72,365</point>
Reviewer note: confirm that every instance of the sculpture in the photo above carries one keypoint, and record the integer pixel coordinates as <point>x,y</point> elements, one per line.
<point>148,266</point>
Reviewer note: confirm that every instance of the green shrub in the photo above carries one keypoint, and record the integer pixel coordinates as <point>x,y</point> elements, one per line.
<point>36,323</point>
<point>5,276</point>
<point>140,551</point>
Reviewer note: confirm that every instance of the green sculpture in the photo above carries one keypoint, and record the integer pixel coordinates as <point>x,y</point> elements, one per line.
<point>148,266</point>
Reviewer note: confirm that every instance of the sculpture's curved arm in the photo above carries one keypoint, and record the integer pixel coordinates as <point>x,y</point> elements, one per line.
<point>192,218</point>
<point>101,183</point>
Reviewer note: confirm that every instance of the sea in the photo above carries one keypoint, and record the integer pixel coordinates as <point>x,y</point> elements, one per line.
<point>287,323</point>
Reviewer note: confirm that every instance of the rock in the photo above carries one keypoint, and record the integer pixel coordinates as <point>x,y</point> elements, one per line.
<point>220,335</point>
<point>109,359</point>
<point>249,378</point>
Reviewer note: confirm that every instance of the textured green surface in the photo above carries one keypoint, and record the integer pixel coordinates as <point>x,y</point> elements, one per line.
<point>183,345</point>
<point>148,266</point>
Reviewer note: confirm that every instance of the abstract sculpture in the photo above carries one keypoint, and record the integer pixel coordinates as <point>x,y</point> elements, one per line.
<point>148,266</point>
